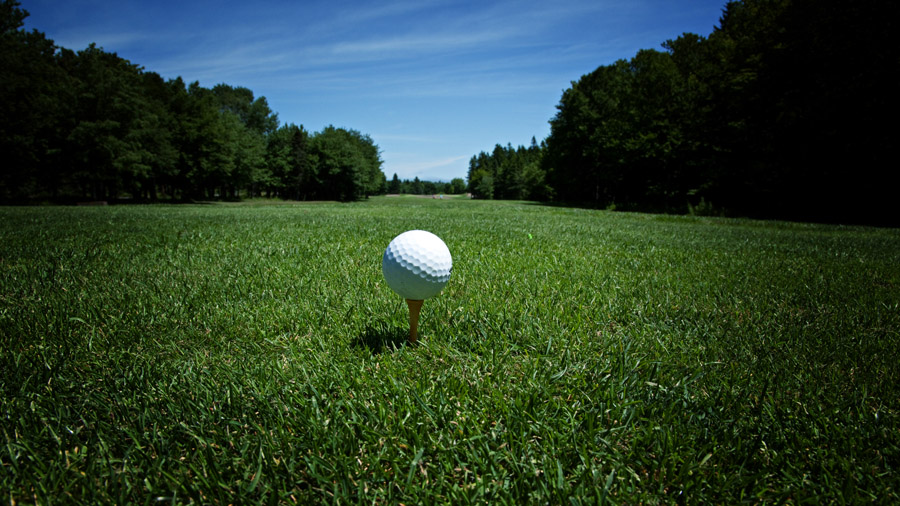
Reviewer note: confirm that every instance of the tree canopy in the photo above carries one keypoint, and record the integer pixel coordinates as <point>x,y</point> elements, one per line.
<point>89,124</point>
<point>784,111</point>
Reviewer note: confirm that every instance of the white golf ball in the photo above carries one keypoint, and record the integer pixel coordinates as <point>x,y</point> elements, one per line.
<point>417,264</point>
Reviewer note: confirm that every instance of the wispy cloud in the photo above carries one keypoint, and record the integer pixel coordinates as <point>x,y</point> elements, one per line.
<point>424,168</point>
<point>417,43</point>
<point>391,10</point>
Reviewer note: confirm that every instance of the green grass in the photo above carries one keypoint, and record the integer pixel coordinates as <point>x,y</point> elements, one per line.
<point>241,354</point>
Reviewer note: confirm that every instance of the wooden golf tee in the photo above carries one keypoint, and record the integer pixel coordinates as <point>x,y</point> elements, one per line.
<point>414,307</point>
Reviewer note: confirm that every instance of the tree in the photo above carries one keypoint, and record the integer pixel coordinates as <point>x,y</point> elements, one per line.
<point>255,114</point>
<point>394,185</point>
<point>808,83</point>
<point>34,103</point>
<point>299,177</point>
<point>765,117</point>
<point>457,186</point>
<point>89,124</point>
<point>249,148</point>
<point>508,173</point>
<point>417,187</point>
<point>348,163</point>
<point>158,127</point>
<point>108,146</point>
<point>481,184</point>
<point>616,135</point>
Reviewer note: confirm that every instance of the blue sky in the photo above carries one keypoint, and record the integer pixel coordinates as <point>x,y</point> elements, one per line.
<point>432,82</point>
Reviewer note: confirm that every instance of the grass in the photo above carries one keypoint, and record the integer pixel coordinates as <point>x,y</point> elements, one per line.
<point>235,354</point>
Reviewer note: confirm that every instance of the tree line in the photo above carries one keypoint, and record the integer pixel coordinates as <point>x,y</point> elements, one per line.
<point>786,110</point>
<point>422,187</point>
<point>92,125</point>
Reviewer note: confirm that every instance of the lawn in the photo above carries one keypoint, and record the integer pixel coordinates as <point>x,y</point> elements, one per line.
<point>252,353</point>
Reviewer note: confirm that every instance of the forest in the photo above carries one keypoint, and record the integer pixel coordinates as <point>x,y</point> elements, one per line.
<point>91,126</point>
<point>786,110</point>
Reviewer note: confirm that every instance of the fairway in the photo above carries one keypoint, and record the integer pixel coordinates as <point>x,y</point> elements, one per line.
<point>252,353</point>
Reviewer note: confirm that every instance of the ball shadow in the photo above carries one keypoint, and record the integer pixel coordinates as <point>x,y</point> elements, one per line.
<point>381,337</point>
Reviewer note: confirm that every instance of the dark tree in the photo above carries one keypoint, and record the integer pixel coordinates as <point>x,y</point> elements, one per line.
<point>348,162</point>
<point>394,185</point>
<point>785,111</point>
<point>35,96</point>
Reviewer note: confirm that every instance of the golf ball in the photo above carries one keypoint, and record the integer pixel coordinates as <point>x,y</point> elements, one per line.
<point>417,264</point>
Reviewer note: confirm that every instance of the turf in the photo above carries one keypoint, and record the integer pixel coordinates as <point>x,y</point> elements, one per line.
<point>243,354</point>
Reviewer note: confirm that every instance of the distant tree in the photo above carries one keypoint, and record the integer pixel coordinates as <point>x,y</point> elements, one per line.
<point>293,173</point>
<point>417,187</point>
<point>256,121</point>
<point>159,125</point>
<point>302,176</point>
<point>508,173</point>
<point>109,146</point>
<point>278,161</point>
<point>481,184</point>
<point>457,186</point>
<point>250,170</point>
<point>394,185</point>
<point>349,164</point>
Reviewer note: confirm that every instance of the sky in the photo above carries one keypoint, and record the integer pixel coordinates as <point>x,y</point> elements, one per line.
<point>432,82</point>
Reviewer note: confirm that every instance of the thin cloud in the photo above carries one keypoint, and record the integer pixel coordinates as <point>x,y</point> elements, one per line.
<point>417,43</point>
<point>423,167</point>
<point>357,15</point>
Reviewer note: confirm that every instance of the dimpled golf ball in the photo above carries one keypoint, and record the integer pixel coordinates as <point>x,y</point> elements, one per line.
<point>417,265</point>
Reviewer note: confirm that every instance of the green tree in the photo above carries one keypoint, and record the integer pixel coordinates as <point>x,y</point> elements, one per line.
<point>92,124</point>
<point>157,126</point>
<point>108,146</point>
<point>257,121</point>
<point>293,171</point>
<point>417,187</point>
<point>207,151</point>
<point>349,164</point>
<point>508,173</point>
<point>394,185</point>
<point>481,184</point>
<point>457,186</point>
<point>248,148</point>
<point>255,114</point>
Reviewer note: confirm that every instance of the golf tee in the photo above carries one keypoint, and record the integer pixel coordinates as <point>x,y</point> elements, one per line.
<point>414,307</point>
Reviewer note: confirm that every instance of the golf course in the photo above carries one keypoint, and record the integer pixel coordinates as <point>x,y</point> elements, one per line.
<point>252,353</point>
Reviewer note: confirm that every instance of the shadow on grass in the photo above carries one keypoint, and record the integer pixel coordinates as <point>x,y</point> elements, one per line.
<point>621,207</point>
<point>381,337</point>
